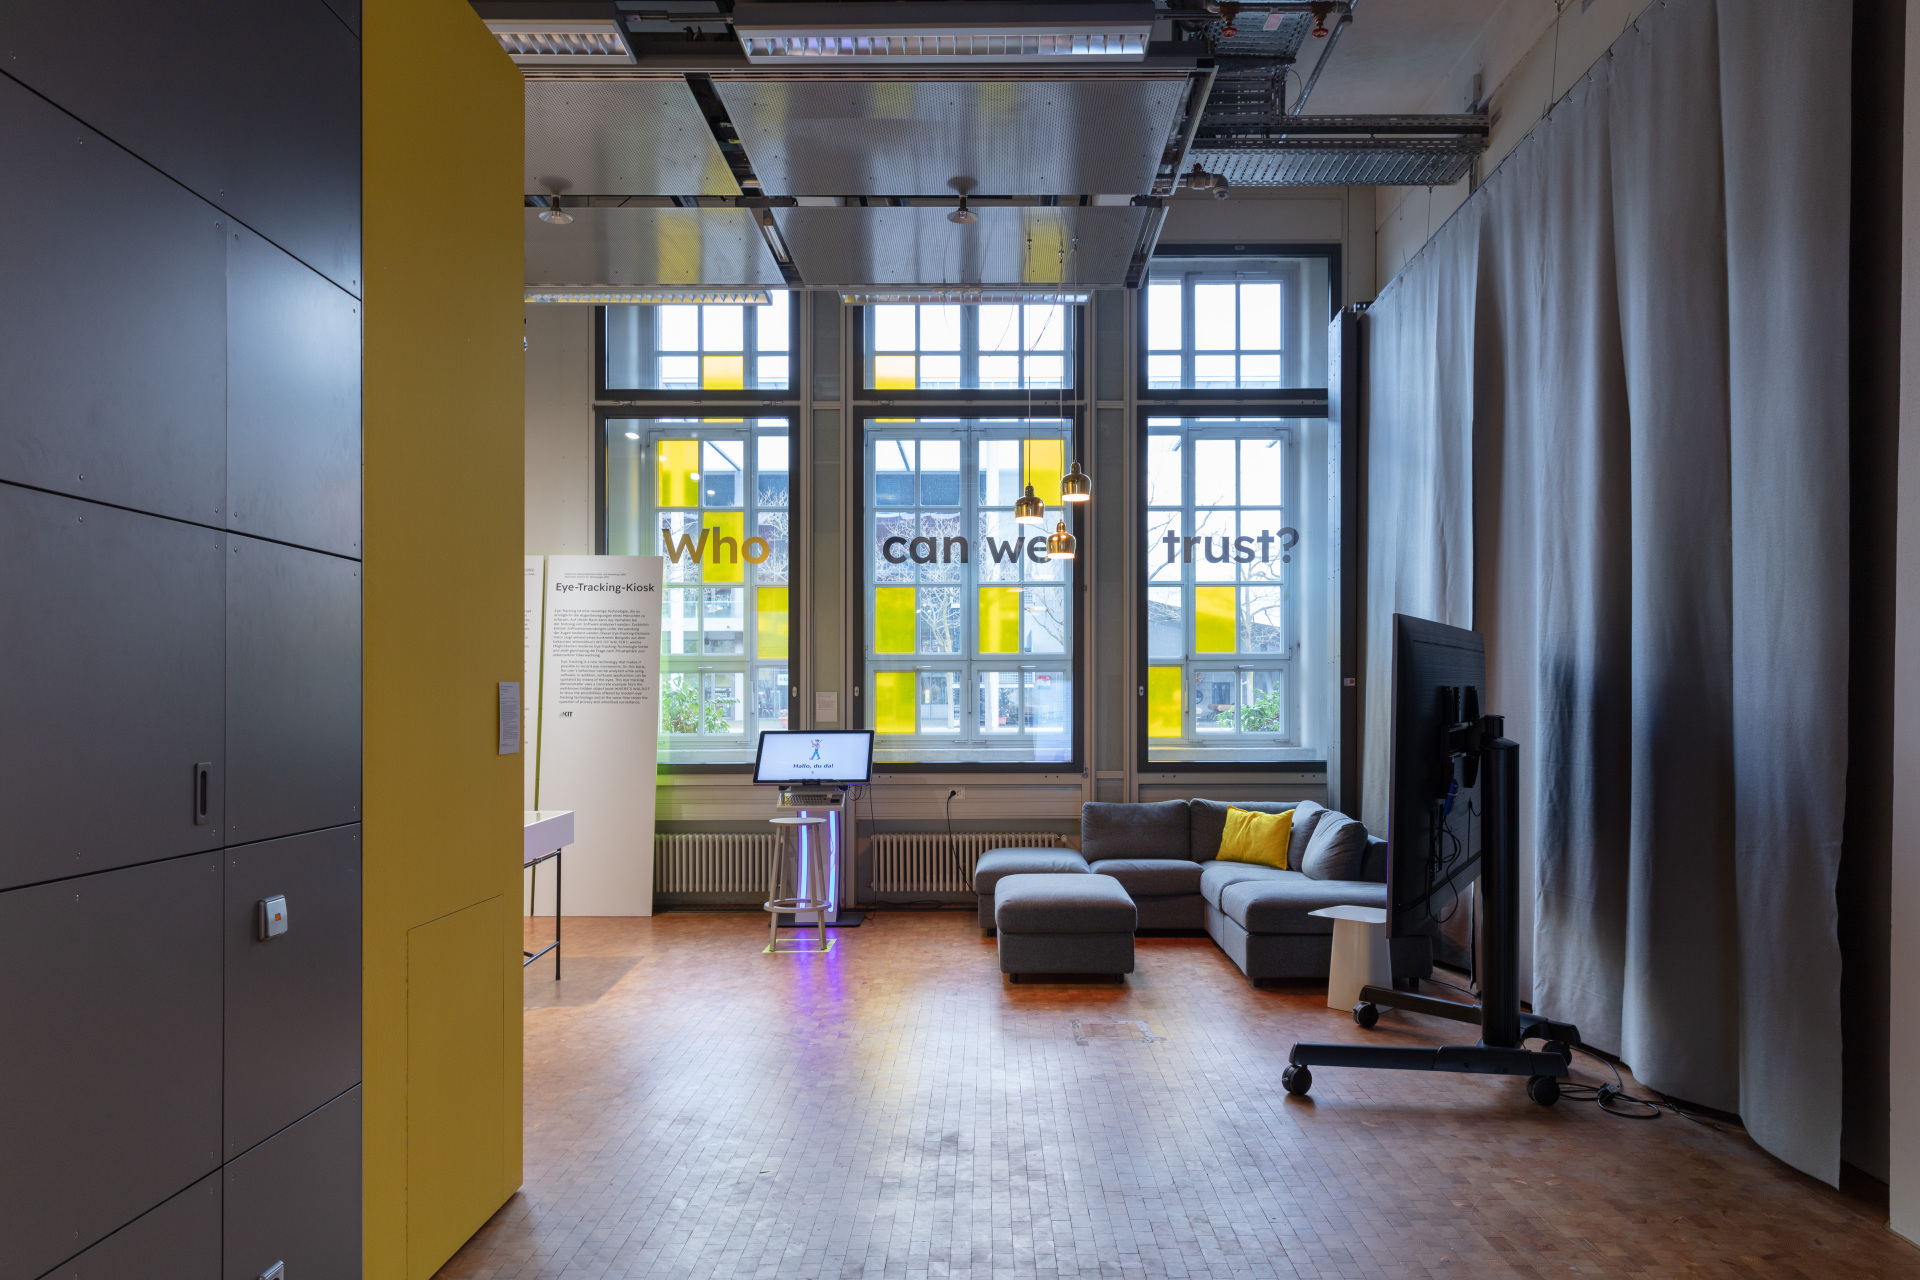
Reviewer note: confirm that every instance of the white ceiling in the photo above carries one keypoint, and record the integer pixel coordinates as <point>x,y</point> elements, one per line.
<point>1401,56</point>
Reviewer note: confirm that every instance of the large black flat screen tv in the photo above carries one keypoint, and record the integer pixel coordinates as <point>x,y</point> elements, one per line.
<point>1434,813</point>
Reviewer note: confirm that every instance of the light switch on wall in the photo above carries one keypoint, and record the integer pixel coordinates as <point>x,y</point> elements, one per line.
<point>271,915</point>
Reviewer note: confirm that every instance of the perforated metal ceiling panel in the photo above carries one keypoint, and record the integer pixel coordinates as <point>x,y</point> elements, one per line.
<point>918,246</point>
<point>621,138</point>
<point>1094,136</point>
<point>650,246</point>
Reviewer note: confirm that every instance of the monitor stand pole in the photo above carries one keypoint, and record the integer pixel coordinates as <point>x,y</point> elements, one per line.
<point>1503,1027</point>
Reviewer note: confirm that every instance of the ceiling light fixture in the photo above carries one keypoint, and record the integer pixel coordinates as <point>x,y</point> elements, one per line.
<point>602,295</point>
<point>1075,486</point>
<point>963,214</point>
<point>785,34</point>
<point>1027,508</point>
<point>1060,543</point>
<point>963,293</point>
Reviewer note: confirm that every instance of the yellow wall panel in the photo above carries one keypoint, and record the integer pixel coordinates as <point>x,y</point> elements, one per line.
<point>678,462</point>
<point>893,619</point>
<point>895,708</point>
<point>443,450</point>
<point>725,564</point>
<point>1163,702</point>
<point>1046,463</point>
<point>455,1026</point>
<point>1215,620</point>
<point>770,621</point>
<point>999,619</point>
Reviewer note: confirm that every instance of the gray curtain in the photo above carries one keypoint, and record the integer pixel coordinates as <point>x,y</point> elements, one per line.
<point>1609,417</point>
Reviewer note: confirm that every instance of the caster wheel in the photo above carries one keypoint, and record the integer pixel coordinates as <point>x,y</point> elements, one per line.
<point>1366,1013</point>
<point>1544,1090</point>
<point>1560,1047</point>
<point>1297,1080</point>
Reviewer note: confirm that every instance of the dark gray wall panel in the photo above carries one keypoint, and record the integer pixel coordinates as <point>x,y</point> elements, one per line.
<point>293,1002</point>
<point>113,643</point>
<point>113,336</point>
<point>293,690</point>
<point>293,401</point>
<point>110,1002</point>
<point>349,13</point>
<point>296,1199</point>
<point>254,106</point>
<point>178,1241</point>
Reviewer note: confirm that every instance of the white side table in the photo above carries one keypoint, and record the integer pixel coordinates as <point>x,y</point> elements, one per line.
<point>1359,953</point>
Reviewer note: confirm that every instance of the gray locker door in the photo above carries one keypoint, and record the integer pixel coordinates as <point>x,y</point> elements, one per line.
<point>293,690</point>
<point>113,635</point>
<point>295,1198</point>
<point>255,107</point>
<point>293,401</point>
<point>178,1241</point>
<point>293,1001</point>
<point>110,997</point>
<point>113,337</point>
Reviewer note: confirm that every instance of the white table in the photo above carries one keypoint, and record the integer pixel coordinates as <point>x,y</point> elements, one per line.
<point>545,833</point>
<point>1359,953</point>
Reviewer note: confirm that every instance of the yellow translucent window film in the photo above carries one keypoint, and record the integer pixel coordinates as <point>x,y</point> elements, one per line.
<point>770,621</point>
<point>679,473</point>
<point>1046,461</point>
<point>999,620</point>
<point>893,373</point>
<point>895,709</point>
<point>723,373</point>
<point>1163,702</point>
<point>893,629</point>
<point>723,561</point>
<point>1214,620</point>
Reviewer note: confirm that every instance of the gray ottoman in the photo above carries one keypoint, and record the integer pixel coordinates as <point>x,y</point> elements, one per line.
<point>1063,922</point>
<point>996,865</point>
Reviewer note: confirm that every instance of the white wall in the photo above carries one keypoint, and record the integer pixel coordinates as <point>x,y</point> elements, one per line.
<point>1903,1014</point>
<point>560,430</point>
<point>1285,215</point>
<point>1528,55</point>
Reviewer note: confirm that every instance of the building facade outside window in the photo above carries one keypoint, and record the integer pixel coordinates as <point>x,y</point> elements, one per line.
<point>969,631</point>
<point>942,347</point>
<point>712,496</point>
<point>709,347</point>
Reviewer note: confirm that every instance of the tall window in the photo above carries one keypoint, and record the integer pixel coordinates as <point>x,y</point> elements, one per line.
<point>952,347</point>
<point>969,623</point>
<point>1225,324</point>
<point>710,494</point>
<point>1228,568</point>
<point>705,347</point>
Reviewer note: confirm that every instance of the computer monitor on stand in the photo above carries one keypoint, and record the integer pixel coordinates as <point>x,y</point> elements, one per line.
<point>814,769</point>
<point>1453,797</point>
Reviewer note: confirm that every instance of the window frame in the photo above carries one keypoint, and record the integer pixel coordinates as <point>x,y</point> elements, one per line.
<point>1181,402</point>
<point>1072,354</point>
<point>797,543</point>
<point>1311,398</point>
<point>692,395</point>
<point>1073,581</point>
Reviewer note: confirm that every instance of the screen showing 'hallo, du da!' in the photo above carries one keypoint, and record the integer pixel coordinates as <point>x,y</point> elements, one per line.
<point>798,756</point>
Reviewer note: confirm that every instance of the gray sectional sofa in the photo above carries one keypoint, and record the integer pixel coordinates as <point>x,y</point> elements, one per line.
<point>1164,856</point>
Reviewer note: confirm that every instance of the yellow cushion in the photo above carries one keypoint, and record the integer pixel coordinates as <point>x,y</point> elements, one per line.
<point>1260,838</point>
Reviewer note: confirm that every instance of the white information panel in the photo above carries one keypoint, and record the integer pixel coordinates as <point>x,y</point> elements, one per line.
<point>530,681</point>
<point>600,724</point>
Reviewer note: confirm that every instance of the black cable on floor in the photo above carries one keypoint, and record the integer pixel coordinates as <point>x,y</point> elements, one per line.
<point>1614,1098</point>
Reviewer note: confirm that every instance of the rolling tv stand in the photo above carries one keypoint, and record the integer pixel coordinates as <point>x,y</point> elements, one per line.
<point>1503,1027</point>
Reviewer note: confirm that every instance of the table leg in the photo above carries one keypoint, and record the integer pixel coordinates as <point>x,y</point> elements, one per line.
<point>558,858</point>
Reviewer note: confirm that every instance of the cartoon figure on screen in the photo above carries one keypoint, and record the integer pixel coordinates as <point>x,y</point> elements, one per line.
<point>816,750</point>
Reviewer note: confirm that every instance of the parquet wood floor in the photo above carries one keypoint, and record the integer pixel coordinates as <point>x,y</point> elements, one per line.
<point>893,1109</point>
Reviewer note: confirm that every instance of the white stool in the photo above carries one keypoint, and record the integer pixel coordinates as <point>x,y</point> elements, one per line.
<point>813,875</point>
<point>1359,953</point>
